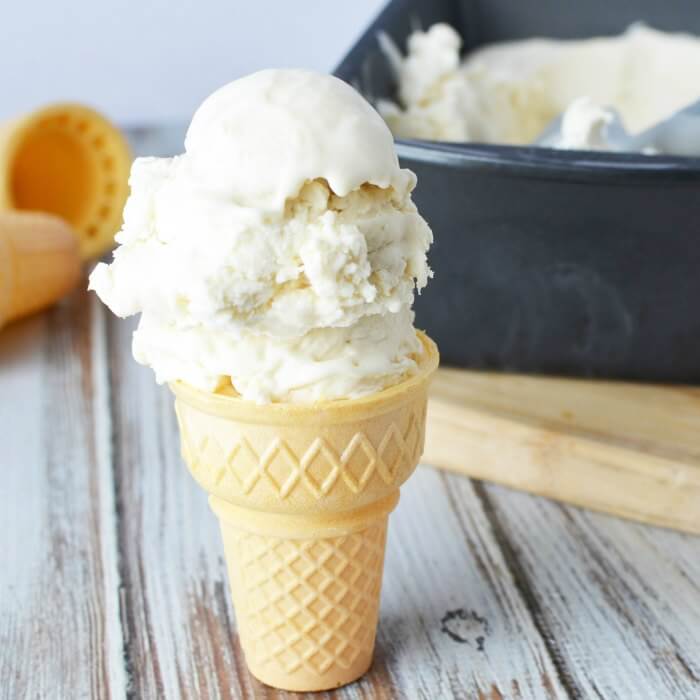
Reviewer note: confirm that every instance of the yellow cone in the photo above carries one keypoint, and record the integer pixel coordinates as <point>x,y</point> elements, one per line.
<point>68,160</point>
<point>39,263</point>
<point>303,493</point>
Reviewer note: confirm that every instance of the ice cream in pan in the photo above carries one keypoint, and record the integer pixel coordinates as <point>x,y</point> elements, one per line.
<point>274,265</point>
<point>508,92</point>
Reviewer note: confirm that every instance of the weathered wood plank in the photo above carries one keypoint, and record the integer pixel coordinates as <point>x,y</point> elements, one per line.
<point>176,606</point>
<point>657,418</point>
<point>453,623</point>
<point>619,603</point>
<point>620,448</point>
<point>59,625</point>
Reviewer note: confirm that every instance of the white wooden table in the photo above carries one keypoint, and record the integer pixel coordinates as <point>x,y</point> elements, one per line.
<point>113,584</point>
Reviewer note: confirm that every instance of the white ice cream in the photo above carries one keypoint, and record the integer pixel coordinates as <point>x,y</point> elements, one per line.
<point>584,126</point>
<point>509,92</point>
<point>280,252</point>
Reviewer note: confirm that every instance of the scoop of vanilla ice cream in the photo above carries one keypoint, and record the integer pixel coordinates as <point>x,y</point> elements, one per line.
<point>280,252</point>
<point>258,139</point>
<point>508,92</point>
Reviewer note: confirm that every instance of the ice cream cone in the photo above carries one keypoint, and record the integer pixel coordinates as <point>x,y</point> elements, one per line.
<point>303,493</point>
<point>67,160</point>
<point>39,262</point>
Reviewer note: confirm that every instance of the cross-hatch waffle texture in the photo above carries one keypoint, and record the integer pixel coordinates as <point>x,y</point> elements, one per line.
<point>307,607</point>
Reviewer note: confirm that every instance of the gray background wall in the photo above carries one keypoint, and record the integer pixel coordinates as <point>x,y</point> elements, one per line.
<point>144,61</point>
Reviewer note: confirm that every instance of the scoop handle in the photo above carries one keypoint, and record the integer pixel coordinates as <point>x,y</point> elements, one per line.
<point>679,135</point>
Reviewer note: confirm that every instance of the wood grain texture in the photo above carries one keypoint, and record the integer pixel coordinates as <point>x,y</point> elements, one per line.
<point>618,602</point>
<point>619,448</point>
<point>180,641</point>
<point>453,623</point>
<point>60,634</point>
<point>651,417</point>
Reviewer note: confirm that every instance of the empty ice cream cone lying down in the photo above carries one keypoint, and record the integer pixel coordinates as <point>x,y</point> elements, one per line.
<point>67,160</point>
<point>283,250</point>
<point>63,183</point>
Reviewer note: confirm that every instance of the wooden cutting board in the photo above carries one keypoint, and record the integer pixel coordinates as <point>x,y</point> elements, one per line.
<point>627,449</point>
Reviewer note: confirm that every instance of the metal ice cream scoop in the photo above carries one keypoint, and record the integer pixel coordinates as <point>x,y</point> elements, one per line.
<point>678,135</point>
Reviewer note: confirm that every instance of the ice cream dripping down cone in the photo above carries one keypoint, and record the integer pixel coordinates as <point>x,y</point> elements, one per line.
<point>39,262</point>
<point>303,493</point>
<point>68,160</point>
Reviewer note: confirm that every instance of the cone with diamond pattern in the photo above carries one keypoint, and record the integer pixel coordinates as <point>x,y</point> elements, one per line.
<point>303,494</point>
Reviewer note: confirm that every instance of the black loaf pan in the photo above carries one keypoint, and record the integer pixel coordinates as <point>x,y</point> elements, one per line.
<point>553,262</point>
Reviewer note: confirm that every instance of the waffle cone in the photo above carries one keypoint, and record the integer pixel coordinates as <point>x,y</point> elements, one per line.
<point>303,494</point>
<point>68,160</point>
<point>39,263</point>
